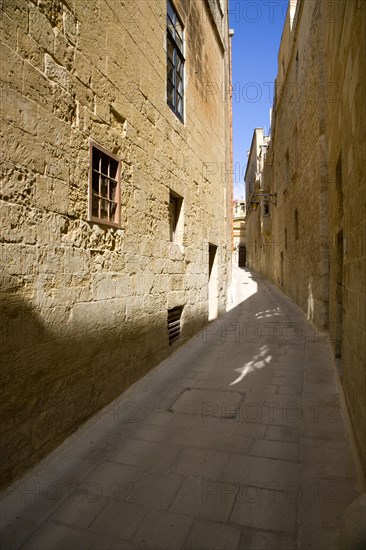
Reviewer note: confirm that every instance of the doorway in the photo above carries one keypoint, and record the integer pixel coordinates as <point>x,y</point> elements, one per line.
<point>212,282</point>
<point>242,256</point>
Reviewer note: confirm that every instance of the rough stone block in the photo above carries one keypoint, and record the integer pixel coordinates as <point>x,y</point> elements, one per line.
<point>63,51</point>
<point>11,68</point>
<point>56,73</point>
<point>8,30</point>
<point>40,29</point>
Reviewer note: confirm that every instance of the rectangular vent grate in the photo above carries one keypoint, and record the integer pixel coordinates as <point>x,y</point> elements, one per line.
<point>174,316</point>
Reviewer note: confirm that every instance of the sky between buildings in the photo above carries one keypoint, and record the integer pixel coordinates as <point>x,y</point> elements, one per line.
<point>258,28</point>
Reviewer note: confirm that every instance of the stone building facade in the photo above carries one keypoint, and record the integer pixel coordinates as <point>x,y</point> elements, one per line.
<point>313,246</point>
<point>115,212</point>
<point>239,233</point>
<point>257,209</point>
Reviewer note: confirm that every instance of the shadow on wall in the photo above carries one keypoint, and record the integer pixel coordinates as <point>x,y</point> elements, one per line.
<point>53,380</point>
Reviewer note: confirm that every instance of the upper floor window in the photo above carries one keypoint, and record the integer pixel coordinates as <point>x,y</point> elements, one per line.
<point>175,62</point>
<point>104,187</point>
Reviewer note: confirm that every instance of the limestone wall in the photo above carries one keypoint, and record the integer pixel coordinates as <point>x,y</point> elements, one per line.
<point>299,257</point>
<point>84,306</point>
<point>345,69</point>
<point>316,163</point>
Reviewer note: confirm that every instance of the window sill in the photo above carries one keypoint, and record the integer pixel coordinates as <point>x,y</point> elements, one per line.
<point>179,117</point>
<point>104,223</point>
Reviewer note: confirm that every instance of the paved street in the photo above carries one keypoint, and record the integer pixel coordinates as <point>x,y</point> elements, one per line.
<point>237,441</point>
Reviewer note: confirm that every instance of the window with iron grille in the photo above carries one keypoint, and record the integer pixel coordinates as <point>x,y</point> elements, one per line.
<point>104,187</point>
<point>175,62</point>
<point>174,317</point>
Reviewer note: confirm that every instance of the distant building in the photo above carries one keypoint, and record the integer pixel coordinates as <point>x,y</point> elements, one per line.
<point>258,208</point>
<point>239,236</point>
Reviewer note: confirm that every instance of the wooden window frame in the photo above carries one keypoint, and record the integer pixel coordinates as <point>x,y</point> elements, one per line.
<point>116,222</point>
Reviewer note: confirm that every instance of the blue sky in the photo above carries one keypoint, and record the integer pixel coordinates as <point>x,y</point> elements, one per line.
<point>258,27</point>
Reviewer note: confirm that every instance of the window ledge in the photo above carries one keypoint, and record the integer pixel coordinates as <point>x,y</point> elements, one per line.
<point>104,224</point>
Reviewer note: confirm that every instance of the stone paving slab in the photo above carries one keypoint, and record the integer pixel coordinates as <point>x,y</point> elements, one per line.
<point>203,402</point>
<point>264,509</point>
<point>239,440</point>
<point>108,521</point>
<point>163,530</point>
<point>261,472</point>
<point>266,540</point>
<point>205,498</point>
<point>217,536</point>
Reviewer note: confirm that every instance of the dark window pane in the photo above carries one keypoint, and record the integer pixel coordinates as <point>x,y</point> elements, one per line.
<point>104,210</point>
<point>112,190</point>
<point>96,157</point>
<point>171,52</point>
<point>179,105</point>
<point>113,211</point>
<point>104,187</point>
<point>179,31</point>
<point>170,90</point>
<point>170,71</point>
<point>171,13</point>
<point>105,162</point>
<point>170,27</point>
<point>179,85</point>
<point>179,42</point>
<point>95,204</point>
<point>113,168</point>
<point>179,65</point>
<point>95,182</point>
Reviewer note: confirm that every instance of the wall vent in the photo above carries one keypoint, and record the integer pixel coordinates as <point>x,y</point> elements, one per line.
<point>174,316</point>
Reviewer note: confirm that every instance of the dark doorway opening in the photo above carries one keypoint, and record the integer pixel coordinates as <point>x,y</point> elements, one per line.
<point>212,282</point>
<point>339,296</point>
<point>242,256</point>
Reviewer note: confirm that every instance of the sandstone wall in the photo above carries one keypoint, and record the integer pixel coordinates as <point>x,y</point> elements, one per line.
<point>299,256</point>
<point>84,306</point>
<point>345,69</point>
<point>316,163</point>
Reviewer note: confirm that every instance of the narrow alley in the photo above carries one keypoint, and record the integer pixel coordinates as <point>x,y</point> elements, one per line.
<point>240,439</point>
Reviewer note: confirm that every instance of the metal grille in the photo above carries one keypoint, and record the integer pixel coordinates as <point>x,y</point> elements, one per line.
<point>174,316</point>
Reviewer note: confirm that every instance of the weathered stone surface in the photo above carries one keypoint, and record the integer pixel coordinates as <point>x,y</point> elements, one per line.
<point>85,305</point>
<point>312,244</point>
<point>56,73</point>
